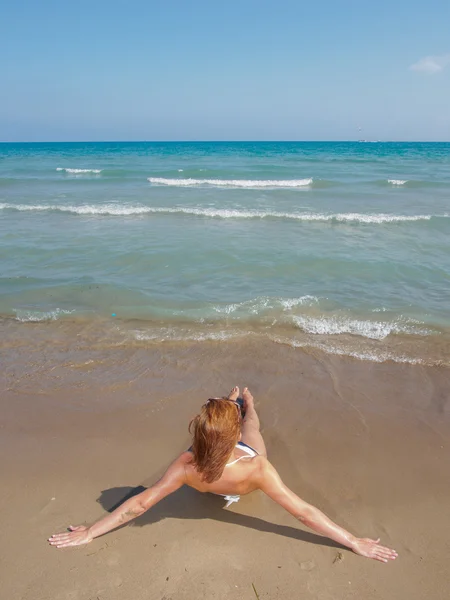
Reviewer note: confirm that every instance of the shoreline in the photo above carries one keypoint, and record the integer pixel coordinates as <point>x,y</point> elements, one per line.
<point>108,334</point>
<point>365,442</point>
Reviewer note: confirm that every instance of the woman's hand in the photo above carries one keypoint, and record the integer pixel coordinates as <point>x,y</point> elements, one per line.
<point>372,549</point>
<point>77,536</point>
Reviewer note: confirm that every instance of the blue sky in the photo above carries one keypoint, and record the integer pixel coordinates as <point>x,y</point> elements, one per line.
<point>209,70</point>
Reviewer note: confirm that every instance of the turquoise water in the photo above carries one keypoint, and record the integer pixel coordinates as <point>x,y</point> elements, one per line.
<point>336,242</point>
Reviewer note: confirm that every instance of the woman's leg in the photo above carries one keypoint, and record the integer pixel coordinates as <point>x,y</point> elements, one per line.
<point>251,434</point>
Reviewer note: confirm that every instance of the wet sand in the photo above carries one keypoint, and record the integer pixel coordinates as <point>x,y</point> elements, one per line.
<point>82,427</point>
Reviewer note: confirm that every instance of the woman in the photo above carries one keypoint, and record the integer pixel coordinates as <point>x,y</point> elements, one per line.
<point>227,457</point>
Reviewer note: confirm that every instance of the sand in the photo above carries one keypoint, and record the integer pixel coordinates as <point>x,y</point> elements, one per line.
<point>83,426</point>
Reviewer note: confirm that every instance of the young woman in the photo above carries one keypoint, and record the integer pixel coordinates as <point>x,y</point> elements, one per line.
<point>227,457</point>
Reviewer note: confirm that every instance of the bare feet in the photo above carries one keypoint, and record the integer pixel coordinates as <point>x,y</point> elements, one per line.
<point>234,394</point>
<point>248,399</point>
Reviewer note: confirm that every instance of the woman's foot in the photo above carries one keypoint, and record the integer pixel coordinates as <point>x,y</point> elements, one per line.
<point>248,399</point>
<point>234,394</point>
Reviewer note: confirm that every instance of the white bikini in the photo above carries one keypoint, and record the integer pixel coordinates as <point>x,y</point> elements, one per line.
<point>250,454</point>
<point>247,449</point>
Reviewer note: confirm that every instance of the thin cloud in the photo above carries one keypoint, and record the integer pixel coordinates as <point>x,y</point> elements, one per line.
<point>431,64</point>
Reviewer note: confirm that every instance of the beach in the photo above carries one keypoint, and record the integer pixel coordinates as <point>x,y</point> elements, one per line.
<point>138,279</point>
<point>366,442</point>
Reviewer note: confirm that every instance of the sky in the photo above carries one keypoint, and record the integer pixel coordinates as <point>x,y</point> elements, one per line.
<point>214,70</point>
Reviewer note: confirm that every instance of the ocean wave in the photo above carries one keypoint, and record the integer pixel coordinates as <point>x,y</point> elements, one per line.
<point>313,217</point>
<point>372,354</point>
<point>79,171</point>
<point>116,209</point>
<point>234,183</point>
<point>364,342</point>
<point>307,300</point>
<point>222,213</point>
<point>34,316</point>
<point>372,218</point>
<point>378,356</point>
<point>398,181</point>
<point>86,209</point>
<point>409,183</point>
<point>375,330</point>
<point>169,334</point>
<point>261,304</point>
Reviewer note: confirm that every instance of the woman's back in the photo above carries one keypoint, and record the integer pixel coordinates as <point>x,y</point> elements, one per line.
<point>239,475</point>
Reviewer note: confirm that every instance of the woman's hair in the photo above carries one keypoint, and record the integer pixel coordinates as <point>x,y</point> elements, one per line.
<point>216,430</point>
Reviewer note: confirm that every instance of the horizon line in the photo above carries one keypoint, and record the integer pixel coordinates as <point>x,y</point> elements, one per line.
<point>224,141</point>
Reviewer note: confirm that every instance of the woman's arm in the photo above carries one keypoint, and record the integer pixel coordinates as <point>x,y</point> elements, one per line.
<point>172,480</point>
<point>271,483</point>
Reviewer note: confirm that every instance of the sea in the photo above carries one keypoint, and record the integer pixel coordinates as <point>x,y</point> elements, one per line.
<point>341,247</point>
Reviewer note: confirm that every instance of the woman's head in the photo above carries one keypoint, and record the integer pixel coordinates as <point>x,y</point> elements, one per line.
<point>216,430</point>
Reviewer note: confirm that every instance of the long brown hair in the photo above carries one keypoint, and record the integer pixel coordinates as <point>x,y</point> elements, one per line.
<point>216,430</point>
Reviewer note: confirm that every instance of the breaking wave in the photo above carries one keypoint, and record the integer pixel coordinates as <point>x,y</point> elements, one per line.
<point>234,183</point>
<point>372,355</point>
<point>375,330</point>
<point>169,334</point>
<point>222,213</point>
<point>34,316</point>
<point>86,209</point>
<point>265,303</point>
<point>79,171</point>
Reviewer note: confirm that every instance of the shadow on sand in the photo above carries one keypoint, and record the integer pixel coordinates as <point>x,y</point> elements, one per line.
<point>187,503</point>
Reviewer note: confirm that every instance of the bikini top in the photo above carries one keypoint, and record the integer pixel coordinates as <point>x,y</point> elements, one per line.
<point>247,449</point>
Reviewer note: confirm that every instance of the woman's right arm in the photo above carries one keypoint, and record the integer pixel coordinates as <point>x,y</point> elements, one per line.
<point>172,479</point>
<point>271,484</point>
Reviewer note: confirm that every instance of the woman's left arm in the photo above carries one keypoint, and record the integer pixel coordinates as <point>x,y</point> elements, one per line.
<point>171,481</point>
<point>270,483</point>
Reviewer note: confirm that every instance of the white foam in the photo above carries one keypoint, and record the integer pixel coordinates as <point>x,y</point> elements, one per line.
<point>79,171</point>
<point>375,330</point>
<point>257,305</point>
<point>373,356</point>
<point>175,335</point>
<point>172,335</point>
<point>228,309</point>
<point>398,181</point>
<point>179,335</point>
<point>86,209</point>
<point>289,303</point>
<point>118,209</point>
<point>318,217</point>
<point>33,316</point>
<point>253,307</point>
<point>373,218</point>
<point>236,183</point>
